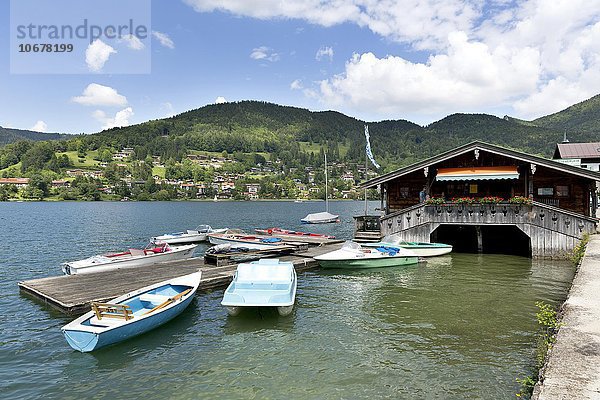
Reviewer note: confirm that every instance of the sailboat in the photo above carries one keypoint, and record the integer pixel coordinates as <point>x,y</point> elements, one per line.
<point>322,217</point>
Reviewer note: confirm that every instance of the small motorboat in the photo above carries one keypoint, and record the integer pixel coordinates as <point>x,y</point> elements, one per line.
<point>243,240</point>
<point>131,314</point>
<point>267,282</point>
<point>153,253</point>
<point>285,234</point>
<point>352,255</point>
<point>200,234</point>
<point>421,249</point>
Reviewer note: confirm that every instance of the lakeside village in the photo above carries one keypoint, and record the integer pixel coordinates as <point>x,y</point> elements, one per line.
<point>108,175</point>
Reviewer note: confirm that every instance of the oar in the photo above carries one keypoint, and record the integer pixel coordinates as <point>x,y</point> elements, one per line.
<point>169,301</point>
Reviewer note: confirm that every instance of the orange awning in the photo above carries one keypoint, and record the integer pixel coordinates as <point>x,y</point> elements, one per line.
<point>478,173</point>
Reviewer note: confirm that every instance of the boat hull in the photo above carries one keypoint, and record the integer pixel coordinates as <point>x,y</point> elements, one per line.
<point>182,239</point>
<point>370,263</point>
<point>71,268</point>
<point>352,255</point>
<point>421,249</point>
<point>254,245</point>
<point>287,234</point>
<point>321,221</point>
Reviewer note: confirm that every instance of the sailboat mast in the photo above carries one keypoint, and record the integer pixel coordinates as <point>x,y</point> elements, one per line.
<point>326,191</point>
<point>366,178</point>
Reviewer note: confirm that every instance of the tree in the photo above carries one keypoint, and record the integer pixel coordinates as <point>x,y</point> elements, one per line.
<point>37,156</point>
<point>81,149</point>
<point>4,195</point>
<point>87,187</point>
<point>162,195</point>
<point>38,187</point>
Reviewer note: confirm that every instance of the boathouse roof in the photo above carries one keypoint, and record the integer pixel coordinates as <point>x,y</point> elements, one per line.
<point>492,148</point>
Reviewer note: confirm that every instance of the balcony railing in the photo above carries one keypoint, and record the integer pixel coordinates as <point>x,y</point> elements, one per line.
<point>537,214</point>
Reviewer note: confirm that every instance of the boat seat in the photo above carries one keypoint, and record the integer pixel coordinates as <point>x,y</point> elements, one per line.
<point>136,252</point>
<point>106,322</point>
<point>256,273</point>
<point>154,299</point>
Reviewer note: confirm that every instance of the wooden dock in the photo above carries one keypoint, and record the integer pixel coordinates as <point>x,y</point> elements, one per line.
<point>72,294</point>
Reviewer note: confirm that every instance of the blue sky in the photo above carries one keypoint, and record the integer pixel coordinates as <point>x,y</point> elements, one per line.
<point>410,59</point>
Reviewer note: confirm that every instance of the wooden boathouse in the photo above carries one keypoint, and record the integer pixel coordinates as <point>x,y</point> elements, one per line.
<point>485,198</point>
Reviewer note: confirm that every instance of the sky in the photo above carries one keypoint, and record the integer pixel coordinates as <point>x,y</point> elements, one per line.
<point>418,60</point>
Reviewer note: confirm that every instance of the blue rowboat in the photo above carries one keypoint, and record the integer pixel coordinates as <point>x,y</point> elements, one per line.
<point>132,314</point>
<point>267,282</point>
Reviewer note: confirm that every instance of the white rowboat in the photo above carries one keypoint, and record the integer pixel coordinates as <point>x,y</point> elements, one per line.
<point>151,254</point>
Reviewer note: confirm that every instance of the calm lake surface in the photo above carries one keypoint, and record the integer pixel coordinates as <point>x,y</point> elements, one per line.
<point>457,327</point>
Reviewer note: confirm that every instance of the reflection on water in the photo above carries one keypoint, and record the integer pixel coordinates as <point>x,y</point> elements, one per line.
<point>460,326</point>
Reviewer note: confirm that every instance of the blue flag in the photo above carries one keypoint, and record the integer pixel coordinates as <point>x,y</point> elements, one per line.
<point>368,148</point>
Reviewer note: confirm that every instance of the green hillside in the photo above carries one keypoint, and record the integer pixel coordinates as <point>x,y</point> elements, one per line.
<point>292,134</point>
<point>581,121</point>
<point>10,135</point>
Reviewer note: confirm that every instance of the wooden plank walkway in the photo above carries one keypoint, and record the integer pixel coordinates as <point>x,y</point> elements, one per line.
<point>72,294</point>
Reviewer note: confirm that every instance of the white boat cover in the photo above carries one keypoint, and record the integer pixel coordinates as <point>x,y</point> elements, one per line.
<point>321,216</point>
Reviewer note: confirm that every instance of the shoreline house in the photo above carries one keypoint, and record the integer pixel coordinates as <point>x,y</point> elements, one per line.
<point>486,198</point>
<point>583,155</point>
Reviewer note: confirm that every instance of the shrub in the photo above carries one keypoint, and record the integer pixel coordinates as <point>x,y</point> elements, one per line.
<point>464,200</point>
<point>579,250</point>
<point>520,200</point>
<point>435,201</point>
<point>490,200</point>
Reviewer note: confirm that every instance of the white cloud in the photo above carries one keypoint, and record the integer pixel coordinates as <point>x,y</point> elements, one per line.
<point>296,85</point>
<point>416,21</point>
<point>220,100</point>
<point>164,39</point>
<point>264,53</point>
<point>167,108</point>
<point>468,77</point>
<point>121,118</point>
<point>133,42</point>
<point>99,95</point>
<point>97,54</point>
<point>40,126</point>
<point>533,57</point>
<point>324,51</point>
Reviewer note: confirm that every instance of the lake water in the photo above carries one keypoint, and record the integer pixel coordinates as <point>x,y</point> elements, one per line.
<point>457,327</point>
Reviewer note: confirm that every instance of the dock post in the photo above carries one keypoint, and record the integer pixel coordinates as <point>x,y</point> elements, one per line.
<point>479,239</point>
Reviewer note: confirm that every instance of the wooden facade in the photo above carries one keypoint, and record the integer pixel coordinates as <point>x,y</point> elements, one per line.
<point>563,192</point>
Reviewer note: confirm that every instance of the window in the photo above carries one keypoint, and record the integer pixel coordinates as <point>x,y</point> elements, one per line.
<point>562,191</point>
<point>404,192</point>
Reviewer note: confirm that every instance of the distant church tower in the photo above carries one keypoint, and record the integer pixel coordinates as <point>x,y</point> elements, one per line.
<point>565,140</point>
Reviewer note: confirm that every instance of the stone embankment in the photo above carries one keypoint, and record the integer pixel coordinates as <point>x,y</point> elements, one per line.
<point>573,368</point>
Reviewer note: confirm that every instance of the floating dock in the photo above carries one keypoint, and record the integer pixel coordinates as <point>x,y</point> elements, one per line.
<point>72,294</point>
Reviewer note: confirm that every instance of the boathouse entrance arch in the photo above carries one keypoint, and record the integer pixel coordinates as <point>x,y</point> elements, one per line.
<point>489,239</point>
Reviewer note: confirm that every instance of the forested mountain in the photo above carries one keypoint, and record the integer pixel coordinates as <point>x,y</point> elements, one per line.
<point>297,136</point>
<point>10,135</point>
<point>579,120</point>
<point>252,126</point>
